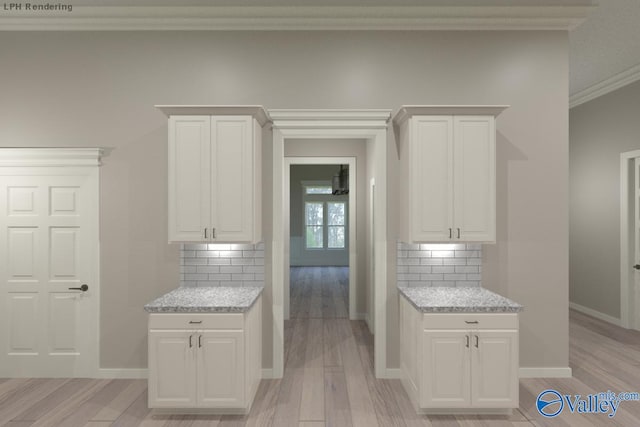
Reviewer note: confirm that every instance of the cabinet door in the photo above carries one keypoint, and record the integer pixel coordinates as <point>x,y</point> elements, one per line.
<point>232,178</point>
<point>446,369</point>
<point>474,178</point>
<point>221,369</point>
<point>172,369</point>
<point>189,183</point>
<point>494,367</point>
<point>432,178</point>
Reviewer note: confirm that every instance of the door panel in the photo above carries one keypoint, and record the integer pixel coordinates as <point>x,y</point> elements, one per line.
<point>474,179</point>
<point>61,326</point>
<point>446,369</point>
<point>22,253</point>
<point>63,201</point>
<point>21,201</point>
<point>172,369</point>
<point>231,178</point>
<point>494,365</point>
<point>432,180</point>
<point>189,184</point>
<point>63,253</point>
<point>23,315</point>
<point>221,368</point>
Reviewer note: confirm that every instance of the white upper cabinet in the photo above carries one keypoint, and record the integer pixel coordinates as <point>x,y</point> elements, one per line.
<point>447,173</point>
<point>215,173</point>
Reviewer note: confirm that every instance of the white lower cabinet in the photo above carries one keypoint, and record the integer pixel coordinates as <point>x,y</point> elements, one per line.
<point>205,360</point>
<point>459,361</point>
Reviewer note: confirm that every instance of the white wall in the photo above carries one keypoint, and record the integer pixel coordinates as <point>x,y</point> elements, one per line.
<point>98,89</point>
<point>300,255</point>
<point>599,131</point>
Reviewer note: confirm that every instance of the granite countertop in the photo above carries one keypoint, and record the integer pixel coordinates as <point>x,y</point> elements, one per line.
<point>206,300</point>
<point>458,300</point>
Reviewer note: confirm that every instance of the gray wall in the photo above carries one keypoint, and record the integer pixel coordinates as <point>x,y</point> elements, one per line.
<point>599,131</point>
<point>300,255</point>
<point>98,89</point>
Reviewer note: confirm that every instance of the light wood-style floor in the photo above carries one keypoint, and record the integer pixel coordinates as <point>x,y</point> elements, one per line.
<point>329,380</point>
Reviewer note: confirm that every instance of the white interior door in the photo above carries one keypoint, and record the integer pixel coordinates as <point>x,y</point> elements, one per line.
<point>48,252</point>
<point>635,291</point>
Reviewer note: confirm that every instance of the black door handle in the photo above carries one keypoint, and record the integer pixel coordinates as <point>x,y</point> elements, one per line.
<point>637,266</point>
<point>83,288</point>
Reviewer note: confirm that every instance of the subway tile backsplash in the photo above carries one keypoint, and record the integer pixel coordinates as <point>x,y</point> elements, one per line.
<point>444,264</point>
<point>213,264</point>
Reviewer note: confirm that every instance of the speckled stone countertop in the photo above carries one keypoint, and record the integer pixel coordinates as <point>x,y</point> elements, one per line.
<point>458,300</point>
<point>205,300</point>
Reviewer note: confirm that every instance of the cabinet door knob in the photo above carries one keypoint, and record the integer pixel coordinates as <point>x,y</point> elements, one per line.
<point>200,341</point>
<point>190,341</point>
<point>477,341</point>
<point>458,233</point>
<point>205,233</point>
<point>475,322</point>
<point>467,337</point>
<point>450,233</point>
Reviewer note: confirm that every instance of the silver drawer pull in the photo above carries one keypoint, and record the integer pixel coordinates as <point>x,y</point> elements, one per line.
<point>193,322</point>
<point>475,322</point>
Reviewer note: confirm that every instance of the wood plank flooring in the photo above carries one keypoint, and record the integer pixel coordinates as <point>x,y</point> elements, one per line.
<point>329,380</point>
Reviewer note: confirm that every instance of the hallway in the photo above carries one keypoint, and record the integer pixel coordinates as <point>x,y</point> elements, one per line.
<point>319,292</point>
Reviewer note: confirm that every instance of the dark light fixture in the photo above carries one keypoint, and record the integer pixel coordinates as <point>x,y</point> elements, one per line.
<point>340,181</point>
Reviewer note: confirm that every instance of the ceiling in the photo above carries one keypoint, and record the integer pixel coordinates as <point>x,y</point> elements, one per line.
<point>605,48</point>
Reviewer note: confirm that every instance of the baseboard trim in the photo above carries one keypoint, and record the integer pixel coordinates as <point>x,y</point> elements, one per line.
<point>369,325</point>
<point>267,373</point>
<point>545,372</point>
<point>360,316</point>
<point>595,313</point>
<point>123,373</point>
<point>393,374</point>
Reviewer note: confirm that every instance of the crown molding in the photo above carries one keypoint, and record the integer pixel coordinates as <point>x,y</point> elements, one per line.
<point>336,118</point>
<point>20,157</point>
<point>126,18</point>
<point>257,111</point>
<point>604,87</point>
<point>407,111</point>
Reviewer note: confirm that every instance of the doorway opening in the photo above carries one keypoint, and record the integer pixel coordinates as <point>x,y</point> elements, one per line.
<point>313,131</point>
<point>322,236</point>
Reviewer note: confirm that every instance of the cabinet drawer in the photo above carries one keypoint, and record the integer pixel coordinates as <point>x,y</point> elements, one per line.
<point>196,321</point>
<point>468,321</point>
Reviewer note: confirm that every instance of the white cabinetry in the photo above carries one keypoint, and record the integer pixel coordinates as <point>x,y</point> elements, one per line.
<point>448,173</point>
<point>459,361</point>
<point>205,360</point>
<point>215,173</point>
